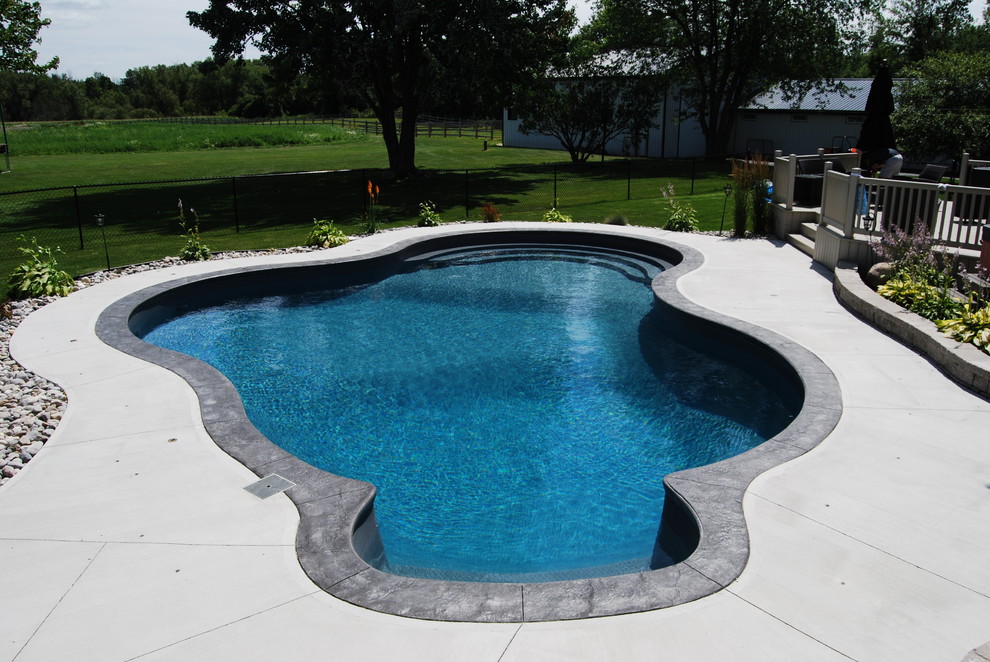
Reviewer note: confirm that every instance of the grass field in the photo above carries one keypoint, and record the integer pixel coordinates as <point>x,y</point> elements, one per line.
<point>458,174</point>
<point>95,137</point>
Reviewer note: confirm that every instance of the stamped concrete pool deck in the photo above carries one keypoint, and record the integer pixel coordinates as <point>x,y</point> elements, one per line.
<point>130,536</point>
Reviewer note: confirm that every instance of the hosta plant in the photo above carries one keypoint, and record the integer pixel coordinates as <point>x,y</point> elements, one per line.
<point>429,217</point>
<point>325,235</point>
<point>929,301</point>
<point>194,250</point>
<point>554,215</point>
<point>39,276</point>
<point>971,326</point>
<point>683,217</point>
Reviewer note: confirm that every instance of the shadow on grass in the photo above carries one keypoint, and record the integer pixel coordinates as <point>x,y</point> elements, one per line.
<point>143,219</point>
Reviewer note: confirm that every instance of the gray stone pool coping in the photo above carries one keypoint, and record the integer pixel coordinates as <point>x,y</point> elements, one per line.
<point>332,508</point>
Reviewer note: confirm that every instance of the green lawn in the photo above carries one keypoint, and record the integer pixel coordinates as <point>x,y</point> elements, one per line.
<point>30,172</point>
<point>459,175</point>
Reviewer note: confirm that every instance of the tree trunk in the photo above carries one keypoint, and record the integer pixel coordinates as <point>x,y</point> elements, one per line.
<point>404,164</point>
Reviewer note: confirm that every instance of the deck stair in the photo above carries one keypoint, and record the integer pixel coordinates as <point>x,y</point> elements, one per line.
<point>804,240</point>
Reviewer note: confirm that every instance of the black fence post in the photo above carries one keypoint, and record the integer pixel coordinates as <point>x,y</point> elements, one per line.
<point>628,179</point>
<point>75,198</point>
<point>693,162</point>
<point>467,194</point>
<point>237,212</point>
<point>555,185</point>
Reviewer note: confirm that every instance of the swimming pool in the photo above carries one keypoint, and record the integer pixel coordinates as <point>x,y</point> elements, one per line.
<point>516,407</point>
<point>338,528</point>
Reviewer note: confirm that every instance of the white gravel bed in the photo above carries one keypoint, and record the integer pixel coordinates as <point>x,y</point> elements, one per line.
<point>31,406</point>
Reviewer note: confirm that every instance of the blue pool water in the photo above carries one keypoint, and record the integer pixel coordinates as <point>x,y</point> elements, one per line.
<point>517,409</point>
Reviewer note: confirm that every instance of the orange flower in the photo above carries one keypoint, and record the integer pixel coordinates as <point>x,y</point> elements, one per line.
<point>370,192</point>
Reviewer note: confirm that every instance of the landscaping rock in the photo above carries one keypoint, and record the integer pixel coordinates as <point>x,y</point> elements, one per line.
<point>31,406</point>
<point>878,274</point>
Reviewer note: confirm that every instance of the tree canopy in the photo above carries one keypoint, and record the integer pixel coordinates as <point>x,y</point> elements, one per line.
<point>944,106</point>
<point>591,100</point>
<point>724,53</point>
<point>396,54</point>
<point>20,23</point>
<point>904,32</point>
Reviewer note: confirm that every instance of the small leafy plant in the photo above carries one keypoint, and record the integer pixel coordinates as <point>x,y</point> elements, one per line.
<point>918,281</point>
<point>40,275</point>
<point>429,217</point>
<point>325,235</point>
<point>972,325</point>
<point>490,213</point>
<point>554,215</point>
<point>683,217</point>
<point>929,301</point>
<point>194,250</point>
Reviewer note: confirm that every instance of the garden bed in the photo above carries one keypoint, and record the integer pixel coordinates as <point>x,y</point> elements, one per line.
<point>963,362</point>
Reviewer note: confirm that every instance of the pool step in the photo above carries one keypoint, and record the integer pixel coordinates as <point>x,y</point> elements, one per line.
<point>804,241</point>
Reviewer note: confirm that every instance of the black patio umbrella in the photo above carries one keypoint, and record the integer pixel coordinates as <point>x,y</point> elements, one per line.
<point>877,132</point>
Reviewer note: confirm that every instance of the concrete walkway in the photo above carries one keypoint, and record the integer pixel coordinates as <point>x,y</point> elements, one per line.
<point>130,536</point>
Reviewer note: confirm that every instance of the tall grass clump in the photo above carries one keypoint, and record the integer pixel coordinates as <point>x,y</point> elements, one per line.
<point>750,196</point>
<point>742,180</point>
<point>762,213</point>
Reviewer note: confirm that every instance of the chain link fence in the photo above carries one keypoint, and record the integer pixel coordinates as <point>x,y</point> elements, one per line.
<point>141,219</point>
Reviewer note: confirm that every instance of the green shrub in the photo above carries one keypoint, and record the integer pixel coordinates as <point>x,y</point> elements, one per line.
<point>929,301</point>
<point>972,325</point>
<point>428,215</point>
<point>554,215</point>
<point>325,235</point>
<point>194,250</point>
<point>683,217</point>
<point>39,276</point>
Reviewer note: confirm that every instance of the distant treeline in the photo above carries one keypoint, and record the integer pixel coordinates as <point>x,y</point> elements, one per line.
<point>246,88</point>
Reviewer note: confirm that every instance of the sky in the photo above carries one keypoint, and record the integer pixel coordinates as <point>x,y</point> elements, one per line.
<point>112,36</point>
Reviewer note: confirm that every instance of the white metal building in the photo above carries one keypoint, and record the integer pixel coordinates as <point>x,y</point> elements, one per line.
<point>801,126</point>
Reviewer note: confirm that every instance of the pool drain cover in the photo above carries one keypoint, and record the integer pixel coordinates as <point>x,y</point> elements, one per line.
<point>269,485</point>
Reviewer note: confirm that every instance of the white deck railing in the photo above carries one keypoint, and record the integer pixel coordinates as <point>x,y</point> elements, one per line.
<point>953,215</point>
<point>786,169</point>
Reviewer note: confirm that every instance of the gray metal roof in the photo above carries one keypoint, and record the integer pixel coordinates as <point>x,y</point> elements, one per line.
<point>850,99</point>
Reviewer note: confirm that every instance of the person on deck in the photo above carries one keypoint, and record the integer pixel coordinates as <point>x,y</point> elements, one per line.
<point>885,162</point>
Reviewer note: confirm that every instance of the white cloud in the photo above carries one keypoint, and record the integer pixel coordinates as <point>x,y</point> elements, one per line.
<point>59,5</point>
<point>112,36</point>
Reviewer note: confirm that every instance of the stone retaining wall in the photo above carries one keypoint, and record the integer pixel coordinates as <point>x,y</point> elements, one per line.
<point>963,362</point>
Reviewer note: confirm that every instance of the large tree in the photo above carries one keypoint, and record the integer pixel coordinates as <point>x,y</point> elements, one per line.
<point>590,101</point>
<point>943,107</point>
<point>723,53</point>
<point>396,53</point>
<point>20,23</point>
